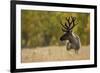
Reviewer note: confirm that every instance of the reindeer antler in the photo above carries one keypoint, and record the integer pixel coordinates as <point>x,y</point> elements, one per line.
<point>68,25</point>
<point>73,21</point>
<point>65,27</point>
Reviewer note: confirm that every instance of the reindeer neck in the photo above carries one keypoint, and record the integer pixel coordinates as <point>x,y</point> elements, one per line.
<point>72,38</point>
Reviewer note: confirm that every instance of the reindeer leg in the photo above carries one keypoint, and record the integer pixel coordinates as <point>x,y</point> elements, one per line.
<point>76,51</point>
<point>68,47</point>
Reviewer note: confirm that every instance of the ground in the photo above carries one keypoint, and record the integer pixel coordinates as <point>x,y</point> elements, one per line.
<point>53,53</point>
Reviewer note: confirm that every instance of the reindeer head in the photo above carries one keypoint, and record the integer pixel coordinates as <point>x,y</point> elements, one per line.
<point>67,28</point>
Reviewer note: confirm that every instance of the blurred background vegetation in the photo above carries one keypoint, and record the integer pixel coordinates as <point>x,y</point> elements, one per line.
<point>43,28</point>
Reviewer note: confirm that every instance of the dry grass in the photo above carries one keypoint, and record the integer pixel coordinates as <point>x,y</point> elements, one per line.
<point>53,53</point>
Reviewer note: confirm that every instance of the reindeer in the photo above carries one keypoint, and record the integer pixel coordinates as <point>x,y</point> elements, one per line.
<point>72,40</point>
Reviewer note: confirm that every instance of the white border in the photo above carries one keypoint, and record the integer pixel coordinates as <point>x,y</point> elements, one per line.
<point>57,63</point>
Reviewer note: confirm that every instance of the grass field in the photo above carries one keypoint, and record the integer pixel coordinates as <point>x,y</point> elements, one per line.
<point>53,53</point>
